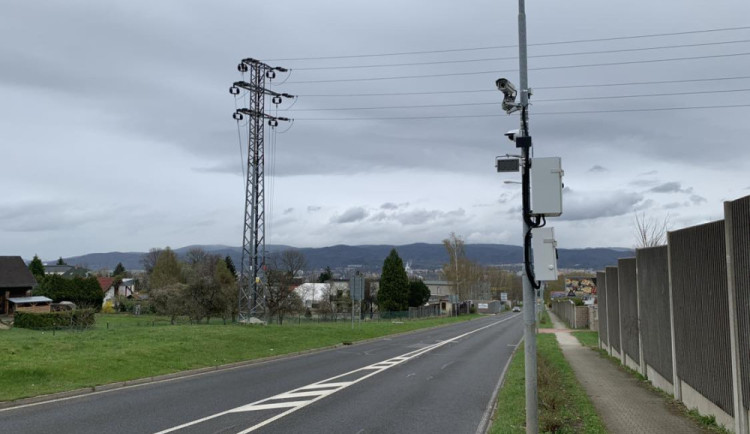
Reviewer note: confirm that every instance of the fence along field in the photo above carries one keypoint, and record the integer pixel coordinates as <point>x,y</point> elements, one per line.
<point>680,314</point>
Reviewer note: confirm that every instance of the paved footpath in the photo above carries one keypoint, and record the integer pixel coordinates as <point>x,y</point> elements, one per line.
<point>624,405</point>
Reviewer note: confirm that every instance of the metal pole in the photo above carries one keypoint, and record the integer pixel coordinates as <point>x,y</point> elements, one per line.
<point>529,294</point>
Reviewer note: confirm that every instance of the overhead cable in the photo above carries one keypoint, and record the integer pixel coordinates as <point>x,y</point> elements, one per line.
<point>543,68</point>
<point>488,59</point>
<point>496,115</point>
<point>495,47</point>
<point>493,90</point>
<point>590,98</point>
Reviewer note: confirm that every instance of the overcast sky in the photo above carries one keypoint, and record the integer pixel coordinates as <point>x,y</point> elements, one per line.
<point>116,130</point>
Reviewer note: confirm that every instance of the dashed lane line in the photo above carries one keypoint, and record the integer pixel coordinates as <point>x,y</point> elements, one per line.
<point>322,389</point>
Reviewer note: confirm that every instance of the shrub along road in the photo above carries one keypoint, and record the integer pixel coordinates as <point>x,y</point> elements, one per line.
<point>435,380</point>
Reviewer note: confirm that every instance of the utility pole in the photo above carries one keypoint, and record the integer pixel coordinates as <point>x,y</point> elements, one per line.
<point>251,291</point>
<point>529,293</point>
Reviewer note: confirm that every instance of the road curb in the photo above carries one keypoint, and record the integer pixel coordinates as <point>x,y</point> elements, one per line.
<point>486,423</point>
<point>40,399</point>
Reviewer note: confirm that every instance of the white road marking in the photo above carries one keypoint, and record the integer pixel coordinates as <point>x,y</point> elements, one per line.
<point>335,386</point>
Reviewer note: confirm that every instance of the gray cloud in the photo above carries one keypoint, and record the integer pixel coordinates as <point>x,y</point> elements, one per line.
<point>697,199</point>
<point>351,215</point>
<point>670,187</point>
<point>598,169</point>
<point>389,205</point>
<point>313,208</point>
<point>643,182</point>
<point>288,211</point>
<point>589,206</point>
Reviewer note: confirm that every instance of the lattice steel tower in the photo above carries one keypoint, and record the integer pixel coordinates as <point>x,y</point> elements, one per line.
<point>251,281</point>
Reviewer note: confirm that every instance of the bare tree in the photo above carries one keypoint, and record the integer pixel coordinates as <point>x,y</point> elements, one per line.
<point>281,271</point>
<point>650,231</point>
<point>149,259</point>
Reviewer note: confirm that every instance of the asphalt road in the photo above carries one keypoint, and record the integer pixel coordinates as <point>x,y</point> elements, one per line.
<point>437,381</point>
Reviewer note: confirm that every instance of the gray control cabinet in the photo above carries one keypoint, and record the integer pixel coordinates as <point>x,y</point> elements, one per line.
<point>546,186</point>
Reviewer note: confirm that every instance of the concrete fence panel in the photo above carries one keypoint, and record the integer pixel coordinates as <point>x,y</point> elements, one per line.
<point>601,295</point>
<point>626,283</point>
<point>653,302</point>
<point>613,312</point>
<point>737,221</point>
<point>698,271</point>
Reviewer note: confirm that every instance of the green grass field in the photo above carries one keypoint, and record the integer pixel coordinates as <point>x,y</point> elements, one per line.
<point>564,407</point>
<point>123,347</point>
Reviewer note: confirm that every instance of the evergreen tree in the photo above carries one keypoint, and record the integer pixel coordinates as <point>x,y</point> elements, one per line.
<point>60,261</point>
<point>326,275</point>
<point>230,265</point>
<point>393,294</point>
<point>36,267</point>
<point>419,293</point>
<point>119,270</point>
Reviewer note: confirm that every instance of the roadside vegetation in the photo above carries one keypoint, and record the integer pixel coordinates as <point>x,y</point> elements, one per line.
<point>564,406</point>
<point>124,347</point>
<point>546,322</point>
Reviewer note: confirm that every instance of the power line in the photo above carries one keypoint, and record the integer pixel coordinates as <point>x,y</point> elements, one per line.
<point>535,113</point>
<point>643,95</point>
<point>488,59</point>
<point>543,68</point>
<point>572,86</point>
<point>495,47</point>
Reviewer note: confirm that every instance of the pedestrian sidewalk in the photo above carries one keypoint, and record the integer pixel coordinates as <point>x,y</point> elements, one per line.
<point>624,405</point>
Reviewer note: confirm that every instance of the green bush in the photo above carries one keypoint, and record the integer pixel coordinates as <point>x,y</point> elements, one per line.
<point>81,318</point>
<point>81,291</point>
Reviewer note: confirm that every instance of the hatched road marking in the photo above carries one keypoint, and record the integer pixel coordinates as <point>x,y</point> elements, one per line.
<point>322,389</point>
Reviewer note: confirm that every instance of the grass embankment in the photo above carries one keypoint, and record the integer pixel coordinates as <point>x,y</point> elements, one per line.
<point>564,406</point>
<point>124,347</point>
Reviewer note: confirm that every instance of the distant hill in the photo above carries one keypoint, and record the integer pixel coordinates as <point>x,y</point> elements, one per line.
<point>370,257</point>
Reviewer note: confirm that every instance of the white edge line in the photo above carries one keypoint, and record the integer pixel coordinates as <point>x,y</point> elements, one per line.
<point>484,423</point>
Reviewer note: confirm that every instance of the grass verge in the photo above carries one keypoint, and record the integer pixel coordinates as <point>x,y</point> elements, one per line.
<point>588,339</point>
<point>123,347</point>
<point>545,322</point>
<point>564,406</point>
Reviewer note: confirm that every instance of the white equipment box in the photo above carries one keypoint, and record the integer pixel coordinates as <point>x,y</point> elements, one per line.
<point>546,186</point>
<point>545,253</point>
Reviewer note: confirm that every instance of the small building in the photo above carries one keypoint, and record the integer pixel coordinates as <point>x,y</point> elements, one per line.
<point>57,269</point>
<point>125,288</point>
<point>439,289</point>
<point>15,281</point>
<point>489,306</point>
<point>37,304</point>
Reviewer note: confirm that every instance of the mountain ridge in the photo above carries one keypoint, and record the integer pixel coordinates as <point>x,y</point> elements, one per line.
<point>371,256</point>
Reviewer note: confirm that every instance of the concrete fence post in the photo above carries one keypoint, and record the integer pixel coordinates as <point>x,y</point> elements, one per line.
<point>677,387</point>
<point>740,415</point>
<point>641,357</point>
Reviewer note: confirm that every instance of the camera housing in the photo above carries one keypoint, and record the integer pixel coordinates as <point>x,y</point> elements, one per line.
<point>511,135</point>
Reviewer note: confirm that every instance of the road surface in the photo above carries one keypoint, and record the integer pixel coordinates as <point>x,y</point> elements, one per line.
<point>438,381</point>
